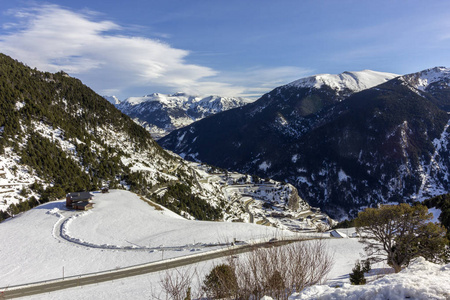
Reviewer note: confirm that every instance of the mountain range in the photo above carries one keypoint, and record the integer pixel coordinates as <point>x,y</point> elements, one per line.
<point>160,114</point>
<point>58,136</point>
<point>345,141</point>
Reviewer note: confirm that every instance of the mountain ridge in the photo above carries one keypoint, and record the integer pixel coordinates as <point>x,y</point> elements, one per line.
<point>353,80</point>
<point>162,113</point>
<point>58,136</point>
<point>381,140</point>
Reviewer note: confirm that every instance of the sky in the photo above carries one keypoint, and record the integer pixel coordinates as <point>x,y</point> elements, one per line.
<point>229,48</point>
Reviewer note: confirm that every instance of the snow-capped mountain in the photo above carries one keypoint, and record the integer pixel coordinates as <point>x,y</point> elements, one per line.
<point>427,79</point>
<point>160,114</point>
<point>346,83</point>
<point>112,99</point>
<point>385,143</point>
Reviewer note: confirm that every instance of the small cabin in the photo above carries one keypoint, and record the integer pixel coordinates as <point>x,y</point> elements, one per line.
<point>79,200</point>
<point>105,190</point>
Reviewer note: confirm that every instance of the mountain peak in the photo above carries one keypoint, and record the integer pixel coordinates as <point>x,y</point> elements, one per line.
<point>112,99</point>
<point>162,113</point>
<point>421,80</point>
<point>353,81</point>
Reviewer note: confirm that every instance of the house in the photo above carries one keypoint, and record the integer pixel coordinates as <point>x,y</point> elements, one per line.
<point>79,200</point>
<point>82,205</point>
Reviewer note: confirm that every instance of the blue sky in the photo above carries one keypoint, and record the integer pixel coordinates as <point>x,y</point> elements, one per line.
<point>231,48</point>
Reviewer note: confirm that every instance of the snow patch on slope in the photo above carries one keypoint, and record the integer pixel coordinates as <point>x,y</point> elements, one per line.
<point>422,80</point>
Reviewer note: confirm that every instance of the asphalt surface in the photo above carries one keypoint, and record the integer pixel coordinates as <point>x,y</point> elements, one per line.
<point>28,290</point>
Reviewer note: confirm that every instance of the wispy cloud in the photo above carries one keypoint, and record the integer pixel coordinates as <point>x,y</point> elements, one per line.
<point>100,53</point>
<point>52,38</point>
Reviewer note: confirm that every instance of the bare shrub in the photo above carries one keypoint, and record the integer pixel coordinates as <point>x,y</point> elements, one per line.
<point>176,284</point>
<point>277,272</point>
<point>280,271</point>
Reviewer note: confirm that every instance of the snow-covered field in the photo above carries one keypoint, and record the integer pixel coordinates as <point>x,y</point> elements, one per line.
<point>122,230</point>
<point>421,280</point>
<point>115,234</point>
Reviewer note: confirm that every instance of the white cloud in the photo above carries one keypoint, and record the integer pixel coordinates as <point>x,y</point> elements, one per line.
<point>98,52</point>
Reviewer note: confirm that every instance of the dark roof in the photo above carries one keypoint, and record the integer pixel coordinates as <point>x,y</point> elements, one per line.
<point>80,196</point>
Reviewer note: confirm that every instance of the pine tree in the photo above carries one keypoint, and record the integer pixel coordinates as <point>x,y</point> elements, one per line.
<point>357,275</point>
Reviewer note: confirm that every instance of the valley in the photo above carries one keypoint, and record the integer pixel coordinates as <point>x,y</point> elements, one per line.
<point>238,150</point>
<point>166,210</point>
<point>345,141</point>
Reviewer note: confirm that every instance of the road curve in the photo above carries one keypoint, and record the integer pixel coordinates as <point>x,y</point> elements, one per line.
<point>74,281</point>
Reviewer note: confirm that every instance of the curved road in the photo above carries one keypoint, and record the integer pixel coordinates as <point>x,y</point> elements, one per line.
<point>74,281</point>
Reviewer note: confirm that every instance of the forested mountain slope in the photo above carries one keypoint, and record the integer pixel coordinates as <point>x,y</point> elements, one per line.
<point>58,136</point>
<point>342,151</point>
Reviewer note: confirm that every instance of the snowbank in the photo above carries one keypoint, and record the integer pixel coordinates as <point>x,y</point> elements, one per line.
<point>421,280</point>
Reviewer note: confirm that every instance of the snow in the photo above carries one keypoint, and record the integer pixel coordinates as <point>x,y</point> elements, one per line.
<point>185,101</point>
<point>20,105</point>
<point>430,76</point>
<point>14,178</point>
<point>112,99</point>
<point>342,176</point>
<point>354,81</point>
<point>264,165</point>
<point>154,232</point>
<point>421,280</point>
<point>338,234</point>
<point>430,185</point>
<point>116,233</point>
<point>176,110</point>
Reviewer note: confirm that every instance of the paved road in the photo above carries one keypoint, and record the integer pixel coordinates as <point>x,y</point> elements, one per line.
<point>247,204</point>
<point>128,272</point>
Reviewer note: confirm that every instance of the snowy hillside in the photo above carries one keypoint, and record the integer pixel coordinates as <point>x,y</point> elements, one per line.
<point>121,230</point>
<point>161,113</point>
<point>238,197</point>
<point>346,82</point>
<point>43,241</point>
<point>421,280</point>
<point>424,79</point>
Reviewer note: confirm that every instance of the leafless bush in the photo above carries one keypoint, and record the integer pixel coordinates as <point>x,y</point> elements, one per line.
<point>176,284</point>
<point>277,272</point>
<point>280,271</point>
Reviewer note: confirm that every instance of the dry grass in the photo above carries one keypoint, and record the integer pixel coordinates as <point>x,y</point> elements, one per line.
<point>151,203</point>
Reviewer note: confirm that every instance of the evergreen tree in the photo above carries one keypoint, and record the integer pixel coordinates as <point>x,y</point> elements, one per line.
<point>357,275</point>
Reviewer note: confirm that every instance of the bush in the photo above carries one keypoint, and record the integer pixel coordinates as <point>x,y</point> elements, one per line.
<point>221,282</point>
<point>357,275</point>
<point>280,271</point>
